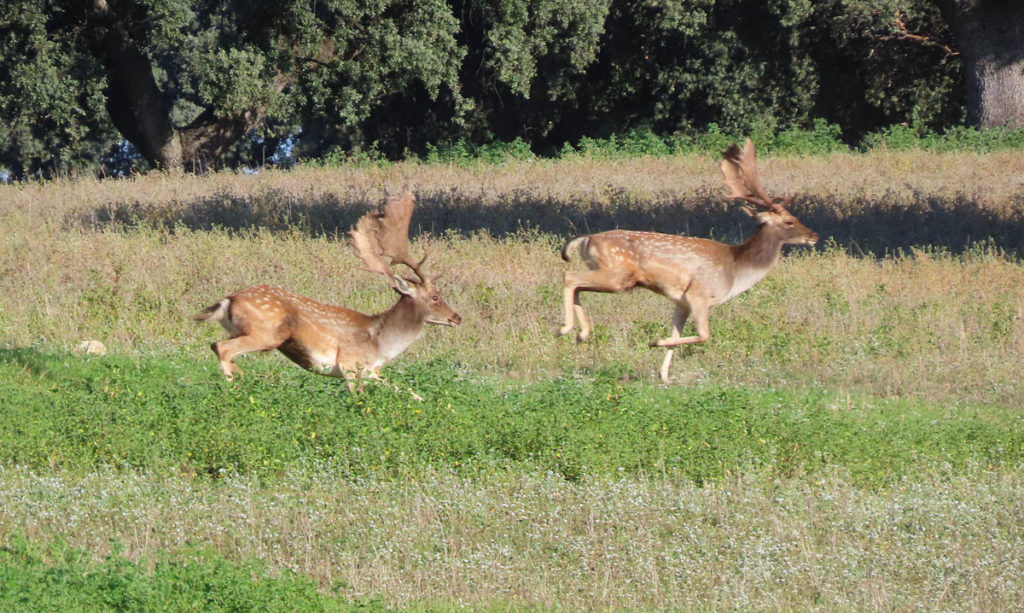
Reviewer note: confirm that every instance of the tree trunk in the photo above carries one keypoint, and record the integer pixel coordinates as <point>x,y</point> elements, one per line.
<point>990,37</point>
<point>136,106</point>
<point>140,111</point>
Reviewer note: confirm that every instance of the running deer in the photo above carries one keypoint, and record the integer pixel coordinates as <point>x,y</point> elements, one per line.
<point>332,340</point>
<point>694,273</point>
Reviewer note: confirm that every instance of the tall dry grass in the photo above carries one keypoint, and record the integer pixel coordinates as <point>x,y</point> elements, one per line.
<point>916,289</point>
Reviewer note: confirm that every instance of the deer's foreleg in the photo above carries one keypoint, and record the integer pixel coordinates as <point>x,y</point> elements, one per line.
<point>700,311</point>
<point>374,374</point>
<point>678,321</point>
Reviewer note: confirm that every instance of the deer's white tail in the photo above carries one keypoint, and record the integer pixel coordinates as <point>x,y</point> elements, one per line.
<point>218,311</point>
<point>574,244</point>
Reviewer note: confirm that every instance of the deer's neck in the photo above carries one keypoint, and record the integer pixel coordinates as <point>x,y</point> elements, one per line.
<point>753,259</point>
<point>397,328</point>
<point>760,251</point>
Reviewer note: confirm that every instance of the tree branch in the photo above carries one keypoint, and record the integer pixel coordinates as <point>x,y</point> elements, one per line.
<point>208,137</point>
<point>904,34</point>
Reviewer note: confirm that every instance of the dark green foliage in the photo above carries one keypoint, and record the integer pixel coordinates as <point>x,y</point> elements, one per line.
<point>883,63</point>
<point>165,415</point>
<point>85,86</point>
<point>954,140</point>
<point>55,577</point>
<point>193,85</point>
<point>51,100</point>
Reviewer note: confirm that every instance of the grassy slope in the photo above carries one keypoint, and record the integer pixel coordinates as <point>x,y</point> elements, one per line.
<point>512,539</point>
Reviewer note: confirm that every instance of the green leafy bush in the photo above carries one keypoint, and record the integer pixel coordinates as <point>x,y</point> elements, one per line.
<point>494,152</point>
<point>955,140</point>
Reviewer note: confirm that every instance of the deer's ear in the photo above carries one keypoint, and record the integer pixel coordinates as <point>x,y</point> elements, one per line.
<point>401,286</point>
<point>760,215</point>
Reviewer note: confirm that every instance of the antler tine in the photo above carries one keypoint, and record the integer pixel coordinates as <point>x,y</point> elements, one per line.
<point>394,233</point>
<point>386,234</point>
<point>741,178</point>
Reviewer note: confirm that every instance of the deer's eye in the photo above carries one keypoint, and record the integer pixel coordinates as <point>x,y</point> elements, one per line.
<point>789,224</point>
<point>435,297</point>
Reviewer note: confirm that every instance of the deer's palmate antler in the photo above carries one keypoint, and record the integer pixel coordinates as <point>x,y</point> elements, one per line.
<point>333,340</point>
<point>694,273</point>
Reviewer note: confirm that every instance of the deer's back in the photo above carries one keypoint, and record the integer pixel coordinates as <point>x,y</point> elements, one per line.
<point>644,249</point>
<point>669,264</point>
<point>320,329</point>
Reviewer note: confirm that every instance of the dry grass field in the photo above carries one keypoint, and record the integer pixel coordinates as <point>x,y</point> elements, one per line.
<point>914,290</point>
<point>913,297</point>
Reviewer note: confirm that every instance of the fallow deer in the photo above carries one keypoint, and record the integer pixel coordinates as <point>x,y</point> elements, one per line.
<point>694,273</point>
<point>332,340</point>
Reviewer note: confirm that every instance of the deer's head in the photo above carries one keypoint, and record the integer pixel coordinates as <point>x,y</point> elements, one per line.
<point>740,173</point>
<point>429,303</point>
<point>385,234</point>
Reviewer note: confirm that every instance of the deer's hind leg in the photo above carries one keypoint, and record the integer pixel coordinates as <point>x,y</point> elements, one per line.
<point>228,349</point>
<point>603,281</point>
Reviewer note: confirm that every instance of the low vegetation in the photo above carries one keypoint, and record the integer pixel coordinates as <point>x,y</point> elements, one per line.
<point>850,437</point>
<point>158,416</point>
<point>913,291</point>
<point>57,577</point>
